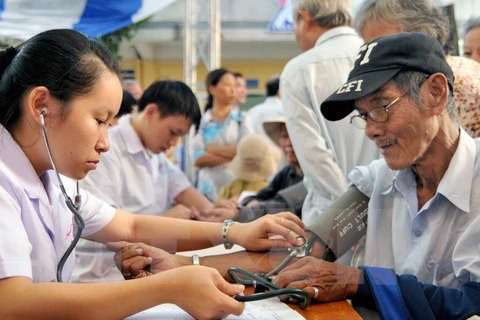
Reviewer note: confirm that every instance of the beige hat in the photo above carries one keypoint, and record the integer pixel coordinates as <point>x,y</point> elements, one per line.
<point>255,160</point>
<point>272,129</point>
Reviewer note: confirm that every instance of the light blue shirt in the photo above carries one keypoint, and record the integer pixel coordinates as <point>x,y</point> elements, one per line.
<point>36,227</point>
<point>327,151</point>
<point>235,127</point>
<point>440,243</point>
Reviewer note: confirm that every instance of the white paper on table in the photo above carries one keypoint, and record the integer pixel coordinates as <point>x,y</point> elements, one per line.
<point>269,309</point>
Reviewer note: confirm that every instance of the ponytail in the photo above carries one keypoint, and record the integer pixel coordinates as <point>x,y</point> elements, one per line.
<point>6,58</point>
<point>7,112</point>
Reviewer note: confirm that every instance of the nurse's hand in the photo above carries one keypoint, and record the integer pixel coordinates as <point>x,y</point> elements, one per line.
<point>256,235</point>
<point>332,281</point>
<point>202,292</point>
<point>139,260</point>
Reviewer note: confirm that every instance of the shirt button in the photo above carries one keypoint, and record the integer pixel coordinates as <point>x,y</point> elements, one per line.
<point>417,233</point>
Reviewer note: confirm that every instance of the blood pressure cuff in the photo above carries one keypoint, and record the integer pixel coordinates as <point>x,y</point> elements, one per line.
<point>344,222</point>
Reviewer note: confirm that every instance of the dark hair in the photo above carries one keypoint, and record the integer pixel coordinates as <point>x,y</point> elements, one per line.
<point>237,75</point>
<point>471,23</point>
<point>213,78</point>
<point>172,98</point>
<point>272,87</point>
<point>66,62</point>
<point>126,107</point>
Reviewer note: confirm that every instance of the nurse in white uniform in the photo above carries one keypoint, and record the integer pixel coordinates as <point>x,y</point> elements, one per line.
<point>59,91</point>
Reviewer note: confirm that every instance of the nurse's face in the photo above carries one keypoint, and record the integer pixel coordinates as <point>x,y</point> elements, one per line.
<point>79,137</point>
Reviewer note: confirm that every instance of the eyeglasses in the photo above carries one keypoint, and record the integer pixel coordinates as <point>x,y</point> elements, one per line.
<point>378,115</point>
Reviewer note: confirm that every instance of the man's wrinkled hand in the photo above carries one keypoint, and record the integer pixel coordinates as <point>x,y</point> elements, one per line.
<point>138,260</point>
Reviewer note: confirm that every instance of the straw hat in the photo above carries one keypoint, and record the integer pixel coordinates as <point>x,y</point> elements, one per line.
<point>255,160</point>
<point>273,129</point>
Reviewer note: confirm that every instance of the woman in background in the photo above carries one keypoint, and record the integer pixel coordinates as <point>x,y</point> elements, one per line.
<point>215,143</point>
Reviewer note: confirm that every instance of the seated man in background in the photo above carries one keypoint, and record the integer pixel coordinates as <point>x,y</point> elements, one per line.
<point>270,199</point>
<point>285,192</point>
<point>254,163</point>
<point>136,175</point>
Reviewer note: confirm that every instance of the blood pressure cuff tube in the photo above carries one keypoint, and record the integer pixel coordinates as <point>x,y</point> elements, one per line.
<point>344,222</point>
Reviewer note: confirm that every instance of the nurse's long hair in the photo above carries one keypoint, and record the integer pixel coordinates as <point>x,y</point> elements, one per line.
<point>64,61</point>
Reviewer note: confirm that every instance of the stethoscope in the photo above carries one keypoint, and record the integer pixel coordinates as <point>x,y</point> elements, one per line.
<point>73,207</point>
<point>265,289</point>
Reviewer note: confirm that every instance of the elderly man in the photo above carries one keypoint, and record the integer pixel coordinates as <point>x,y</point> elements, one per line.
<point>423,219</point>
<point>326,151</point>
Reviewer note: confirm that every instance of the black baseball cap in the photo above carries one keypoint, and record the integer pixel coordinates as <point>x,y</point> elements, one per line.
<point>382,59</point>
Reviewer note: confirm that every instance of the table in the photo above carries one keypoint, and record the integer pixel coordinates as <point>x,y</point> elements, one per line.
<point>339,310</point>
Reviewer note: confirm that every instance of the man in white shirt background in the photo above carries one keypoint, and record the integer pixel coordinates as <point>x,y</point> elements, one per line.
<point>268,110</point>
<point>327,151</point>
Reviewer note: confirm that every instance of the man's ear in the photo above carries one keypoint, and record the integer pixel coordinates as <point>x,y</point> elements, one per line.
<point>151,111</point>
<point>305,16</point>
<point>437,94</point>
<point>37,102</point>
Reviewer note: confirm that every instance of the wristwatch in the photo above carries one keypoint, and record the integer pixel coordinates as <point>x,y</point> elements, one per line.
<point>226,225</point>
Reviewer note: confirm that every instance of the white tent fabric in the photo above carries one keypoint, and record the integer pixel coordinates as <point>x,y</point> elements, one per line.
<point>22,19</point>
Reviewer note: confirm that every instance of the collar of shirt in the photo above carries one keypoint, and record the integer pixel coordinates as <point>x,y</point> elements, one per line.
<point>272,100</point>
<point>20,166</point>
<point>132,141</point>
<point>334,32</point>
<point>234,114</point>
<point>460,169</point>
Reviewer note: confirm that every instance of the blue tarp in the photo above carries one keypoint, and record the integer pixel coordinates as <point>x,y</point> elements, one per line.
<point>21,19</point>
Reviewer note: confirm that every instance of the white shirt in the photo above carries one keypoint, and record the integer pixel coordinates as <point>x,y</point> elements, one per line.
<point>270,109</point>
<point>327,151</point>
<point>36,226</point>
<point>131,178</point>
<point>439,243</point>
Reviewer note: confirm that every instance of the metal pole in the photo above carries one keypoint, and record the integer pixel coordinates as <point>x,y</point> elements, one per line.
<point>215,35</point>
<point>190,48</point>
<point>189,74</point>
